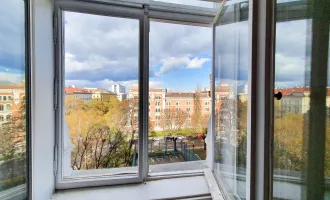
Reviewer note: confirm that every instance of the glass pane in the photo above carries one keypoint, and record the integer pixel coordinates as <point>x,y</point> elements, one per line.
<point>301,116</point>
<point>197,3</point>
<point>13,158</point>
<point>100,118</point>
<point>179,96</point>
<point>231,100</point>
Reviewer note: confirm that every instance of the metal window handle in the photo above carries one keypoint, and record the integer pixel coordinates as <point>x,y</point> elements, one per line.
<point>278,96</point>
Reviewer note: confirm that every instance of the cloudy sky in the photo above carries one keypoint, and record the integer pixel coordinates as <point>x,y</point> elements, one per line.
<point>12,40</point>
<point>103,50</point>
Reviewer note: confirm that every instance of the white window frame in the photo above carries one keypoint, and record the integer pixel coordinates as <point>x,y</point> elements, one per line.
<point>159,11</point>
<point>112,11</point>
<point>259,177</point>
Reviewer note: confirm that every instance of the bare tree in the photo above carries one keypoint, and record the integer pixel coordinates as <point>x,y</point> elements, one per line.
<point>173,120</point>
<point>197,115</point>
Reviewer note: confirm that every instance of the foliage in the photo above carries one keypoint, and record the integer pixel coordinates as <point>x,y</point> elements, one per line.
<point>9,183</point>
<point>199,120</point>
<point>13,133</point>
<point>102,133</point>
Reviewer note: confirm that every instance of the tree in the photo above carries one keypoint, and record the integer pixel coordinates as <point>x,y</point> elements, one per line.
<point>73,103</point>
<point>173,120</point>
<point>288,142</point>
<point>102,132</point>
<point>196,118</point>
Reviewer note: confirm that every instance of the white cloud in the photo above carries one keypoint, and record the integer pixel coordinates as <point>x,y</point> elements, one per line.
<point>174,63</point>
<point>198,63</point>
<point>12,77</point>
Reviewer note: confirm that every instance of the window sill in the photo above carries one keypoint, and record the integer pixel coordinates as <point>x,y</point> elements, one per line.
<point>198,186</point>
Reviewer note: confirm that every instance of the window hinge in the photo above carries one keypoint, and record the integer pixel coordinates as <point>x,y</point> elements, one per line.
<point>55,93</point>
<point>55,27</point>
<point>55,160</point>
<point>146,9</point>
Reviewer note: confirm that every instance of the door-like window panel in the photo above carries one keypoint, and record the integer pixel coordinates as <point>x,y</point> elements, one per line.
<point>101,101</point>
<point>13,131</point>
<point>301,163</point>
<point>231,99</point>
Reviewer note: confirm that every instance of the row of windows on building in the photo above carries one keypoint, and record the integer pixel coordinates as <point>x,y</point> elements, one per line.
<point>6,98</point>
<point>178,103</point>
<point>158,110</point>
<point>2,118</point>
<point>5,107</point>
<point>188,124</point>
<point>294,102</point>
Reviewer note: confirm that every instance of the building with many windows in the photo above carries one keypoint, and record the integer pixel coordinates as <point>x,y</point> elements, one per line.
<point>101,95</point>
<point>81,93</point>
<point>297,100</point>
<point>117,88</point>
<point>11,98</point>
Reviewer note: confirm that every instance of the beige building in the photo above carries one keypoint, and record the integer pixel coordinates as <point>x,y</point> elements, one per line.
<point>103,96</point>
<point>297,100</point>
<point>11,97</point>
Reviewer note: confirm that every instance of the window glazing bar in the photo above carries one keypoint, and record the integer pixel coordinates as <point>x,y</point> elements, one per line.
<point>144,95</point>
<point>260,108</point>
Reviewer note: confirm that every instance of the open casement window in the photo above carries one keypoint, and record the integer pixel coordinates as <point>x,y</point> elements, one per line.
<point>136,123</point>
<point>103,129</point>
<point>271,132</point>
<point>231,98</point>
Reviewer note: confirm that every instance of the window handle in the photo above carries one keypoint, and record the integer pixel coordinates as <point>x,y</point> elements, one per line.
<point>278,96</point>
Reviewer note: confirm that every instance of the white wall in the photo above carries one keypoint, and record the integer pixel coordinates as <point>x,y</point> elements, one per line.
<point>42,100</point>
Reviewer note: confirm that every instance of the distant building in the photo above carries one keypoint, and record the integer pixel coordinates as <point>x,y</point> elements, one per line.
<point>121,97</point>
<point>11,97</point>
<point>297,100</point>
<point>117,88</point>
<point>80,93</point>
<point>100,95</point>
<point>161,99</point>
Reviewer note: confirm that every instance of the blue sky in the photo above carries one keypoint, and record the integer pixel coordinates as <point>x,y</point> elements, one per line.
<point>186,79</point>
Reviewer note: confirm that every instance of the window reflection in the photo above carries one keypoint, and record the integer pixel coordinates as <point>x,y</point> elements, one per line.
<point>231,100</point>
<point>13,165</point>
<point>301,121</point>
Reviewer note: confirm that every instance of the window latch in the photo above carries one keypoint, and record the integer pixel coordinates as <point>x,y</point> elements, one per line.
<point>278,96</point>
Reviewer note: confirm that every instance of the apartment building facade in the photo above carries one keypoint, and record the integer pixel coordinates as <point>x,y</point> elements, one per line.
<point>11,98</point>
<point>297,100</point>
